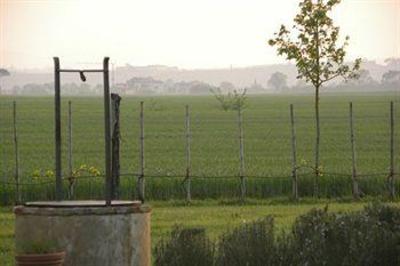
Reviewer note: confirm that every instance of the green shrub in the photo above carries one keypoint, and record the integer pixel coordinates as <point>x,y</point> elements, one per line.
<point>388,215</point>
<point>249,244</point>
<point>368,237</point>
<point>185,246</point>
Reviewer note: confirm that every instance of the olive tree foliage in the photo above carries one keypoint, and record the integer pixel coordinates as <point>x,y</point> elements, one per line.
<point>317,52</point>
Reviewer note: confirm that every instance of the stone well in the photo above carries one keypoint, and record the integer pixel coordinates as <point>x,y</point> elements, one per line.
<point>89,232</point>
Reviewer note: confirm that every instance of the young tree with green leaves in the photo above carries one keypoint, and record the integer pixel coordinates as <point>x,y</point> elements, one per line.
<point>232,100</point>
<point>318,56</point>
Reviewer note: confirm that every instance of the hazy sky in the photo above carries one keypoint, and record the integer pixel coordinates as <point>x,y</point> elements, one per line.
<point>183,33</point>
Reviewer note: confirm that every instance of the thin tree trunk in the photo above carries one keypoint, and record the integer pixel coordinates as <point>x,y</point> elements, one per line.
<point>317,124</point>
<point>317,143</point>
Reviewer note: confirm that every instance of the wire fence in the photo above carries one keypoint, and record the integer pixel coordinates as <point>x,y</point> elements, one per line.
<point>217,157</point>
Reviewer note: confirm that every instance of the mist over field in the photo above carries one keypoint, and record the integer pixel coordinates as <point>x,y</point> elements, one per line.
<point>167,80</point>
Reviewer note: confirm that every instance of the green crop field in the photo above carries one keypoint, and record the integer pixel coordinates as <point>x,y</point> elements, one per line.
<point>215,155</point>
<point>215,216</point>
<point>214,144</point>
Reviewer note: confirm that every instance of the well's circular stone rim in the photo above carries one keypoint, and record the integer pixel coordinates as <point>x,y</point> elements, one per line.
<point>80,203</point>
<point>85,207</point>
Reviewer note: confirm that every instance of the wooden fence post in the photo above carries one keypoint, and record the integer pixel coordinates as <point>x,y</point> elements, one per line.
<point>295,190</point>
<point>356,192</point>
<point>392,189</point>
<point>16,154</point>
<point>115,142</point>
<point>71,178</point>
<point>241,157</point>
<point>140,182</point>
<point>188,158</point>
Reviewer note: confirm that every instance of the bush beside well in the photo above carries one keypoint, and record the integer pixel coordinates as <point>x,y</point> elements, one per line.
<point>319,237</point>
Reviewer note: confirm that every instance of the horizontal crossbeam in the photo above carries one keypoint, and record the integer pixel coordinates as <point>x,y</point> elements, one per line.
<point>82,70</point>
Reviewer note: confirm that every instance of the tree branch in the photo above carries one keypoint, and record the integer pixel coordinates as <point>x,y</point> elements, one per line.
<point>330,78</point>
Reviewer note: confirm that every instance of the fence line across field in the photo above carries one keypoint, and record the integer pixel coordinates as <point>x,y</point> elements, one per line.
<point>132,175</point>
<point>216,187</point>
<point>187,175</point>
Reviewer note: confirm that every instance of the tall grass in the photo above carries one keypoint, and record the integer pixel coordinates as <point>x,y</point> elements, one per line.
<point>169,188</point>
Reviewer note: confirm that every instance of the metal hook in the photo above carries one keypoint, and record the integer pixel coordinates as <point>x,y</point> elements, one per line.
<point>82,75</point>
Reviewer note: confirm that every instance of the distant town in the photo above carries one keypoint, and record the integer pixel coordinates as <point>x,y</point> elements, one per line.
<point>164,80</point>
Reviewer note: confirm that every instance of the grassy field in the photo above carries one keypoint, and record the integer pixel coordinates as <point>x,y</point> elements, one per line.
<point>215,145</point>
<point>215,216</point>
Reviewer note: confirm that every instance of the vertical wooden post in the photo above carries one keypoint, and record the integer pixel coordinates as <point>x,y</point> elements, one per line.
<point>241,157</point>
<point>69,138</point>
<point>16,153</point>
<point>70,169</point>
<point>107,131</point>
<point>295,190</point>
<point>140,183</point>
<point>115,103</point>
<point>57,130</point>
<point>391,171</point>
<point>356,192</point>
<point>188,158</point>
